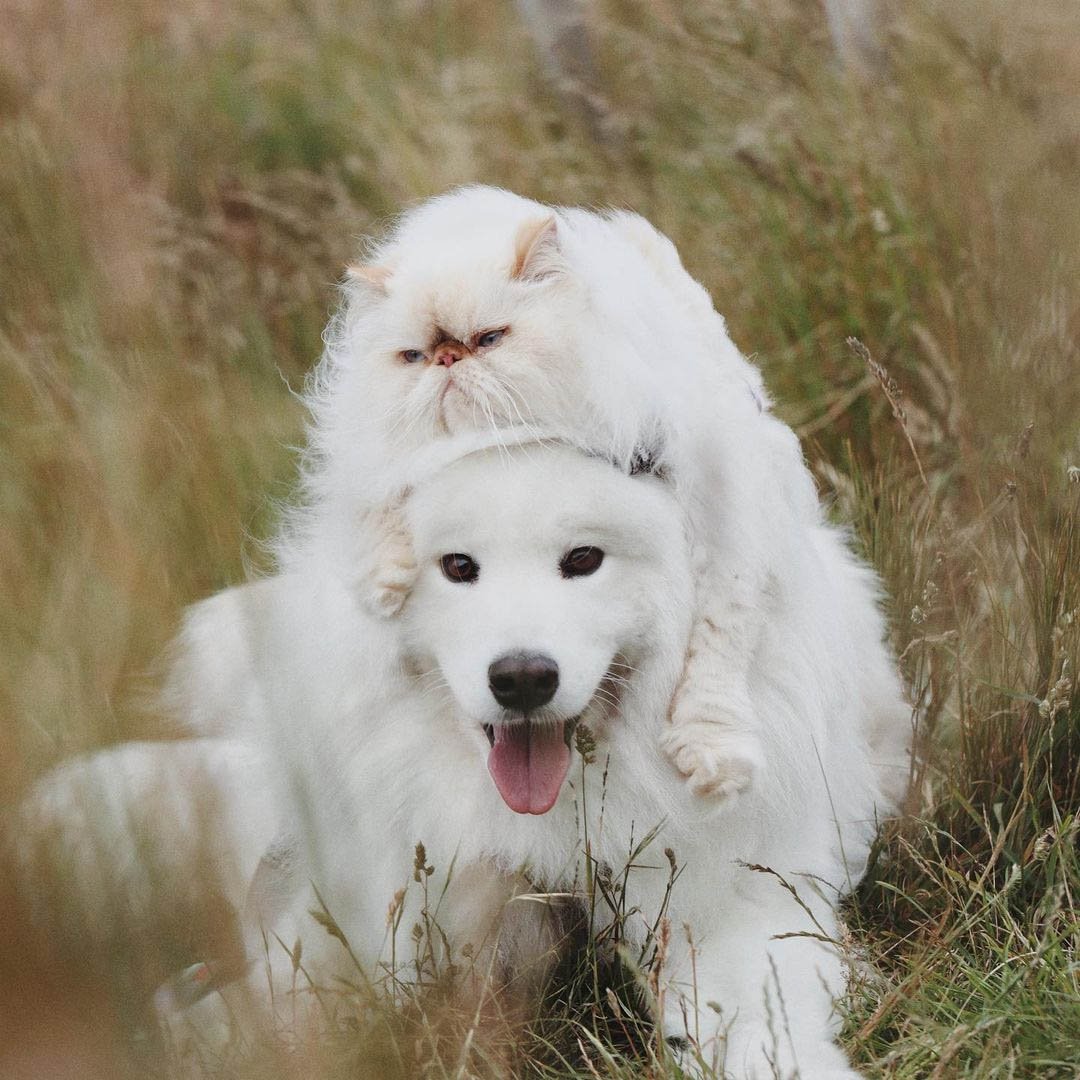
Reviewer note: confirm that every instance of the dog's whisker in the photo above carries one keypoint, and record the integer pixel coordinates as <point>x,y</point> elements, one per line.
<point>432,678</point>
<point>606,694</point>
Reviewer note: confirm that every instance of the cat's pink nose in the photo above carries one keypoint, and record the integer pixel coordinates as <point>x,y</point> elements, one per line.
<point>448,356</point>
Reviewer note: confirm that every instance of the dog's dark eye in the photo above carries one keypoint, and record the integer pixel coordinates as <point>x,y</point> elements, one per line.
<point>581,561</point>
<point>489,338</point>
<point>411,356</point>
<point>459,568</point>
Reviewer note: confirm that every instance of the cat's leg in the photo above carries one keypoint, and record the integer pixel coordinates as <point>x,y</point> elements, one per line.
<point>389,570</point>
<point>753,488</point>
<point>712,736</point>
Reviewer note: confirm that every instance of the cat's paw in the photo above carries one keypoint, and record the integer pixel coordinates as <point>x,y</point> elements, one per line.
<point>388,585</point>
<point>718,763</point>
<point>392,570</point>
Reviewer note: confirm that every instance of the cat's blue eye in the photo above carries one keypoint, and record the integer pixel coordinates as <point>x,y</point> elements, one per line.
<point>489,338</point>
<point>412,356</point>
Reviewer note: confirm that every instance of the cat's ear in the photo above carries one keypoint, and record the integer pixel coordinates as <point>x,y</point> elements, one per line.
<point>370,274</point>
<point>536,250</point>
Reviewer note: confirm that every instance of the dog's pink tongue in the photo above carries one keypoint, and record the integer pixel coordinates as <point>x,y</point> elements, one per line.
<point>528,764</point>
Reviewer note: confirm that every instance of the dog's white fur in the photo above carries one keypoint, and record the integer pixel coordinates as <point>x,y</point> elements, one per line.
<point>373,734</point>
<point>612,347</point>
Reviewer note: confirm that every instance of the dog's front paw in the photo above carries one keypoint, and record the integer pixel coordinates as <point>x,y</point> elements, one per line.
<point>717,763</point>
<point>758,1055</point>
<point>838,1073</point>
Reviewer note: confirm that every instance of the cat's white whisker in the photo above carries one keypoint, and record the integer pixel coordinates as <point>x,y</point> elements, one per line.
<point>516,400</point>
<point>507,394</point>
<point>496,431</point>
<point>402,415</point>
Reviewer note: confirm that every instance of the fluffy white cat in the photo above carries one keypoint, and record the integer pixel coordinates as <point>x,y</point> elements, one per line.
<point>484,311</point>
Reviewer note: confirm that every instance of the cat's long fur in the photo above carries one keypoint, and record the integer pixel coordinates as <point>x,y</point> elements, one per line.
<point>612,346</point>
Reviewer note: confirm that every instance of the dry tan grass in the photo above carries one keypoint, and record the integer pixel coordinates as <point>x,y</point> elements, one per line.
<point>181,183</point>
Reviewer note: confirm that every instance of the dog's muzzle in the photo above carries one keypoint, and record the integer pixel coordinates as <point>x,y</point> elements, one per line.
<point>523,682</point>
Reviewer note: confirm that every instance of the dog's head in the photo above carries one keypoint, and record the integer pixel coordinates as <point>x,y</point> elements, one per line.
<point>550,587</point>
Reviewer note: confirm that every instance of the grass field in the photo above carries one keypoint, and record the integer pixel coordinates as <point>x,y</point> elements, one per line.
<point>180,186</point>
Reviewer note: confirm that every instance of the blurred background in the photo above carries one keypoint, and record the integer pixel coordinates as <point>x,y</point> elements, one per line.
<point>181,185</point>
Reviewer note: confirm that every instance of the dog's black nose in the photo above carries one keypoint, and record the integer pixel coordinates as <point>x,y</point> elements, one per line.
<point>523,681</point>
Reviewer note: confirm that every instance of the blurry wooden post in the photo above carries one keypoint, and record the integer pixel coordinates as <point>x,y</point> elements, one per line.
<point>560,31</point>
<point>854,26</point>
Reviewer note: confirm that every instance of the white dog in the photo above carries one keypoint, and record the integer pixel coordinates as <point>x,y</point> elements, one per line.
<point>566,604</point>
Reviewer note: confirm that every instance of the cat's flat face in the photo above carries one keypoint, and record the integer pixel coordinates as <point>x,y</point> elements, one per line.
<point>473,336</point>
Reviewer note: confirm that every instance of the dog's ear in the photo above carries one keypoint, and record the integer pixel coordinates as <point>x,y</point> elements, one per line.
<point>369,275</point>
<point>536,250</point>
